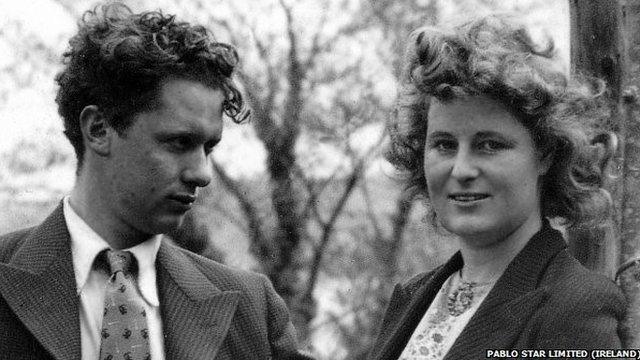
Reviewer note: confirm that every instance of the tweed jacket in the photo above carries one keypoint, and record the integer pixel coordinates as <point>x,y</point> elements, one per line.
<point>544,300</point>
<point>209,311</point>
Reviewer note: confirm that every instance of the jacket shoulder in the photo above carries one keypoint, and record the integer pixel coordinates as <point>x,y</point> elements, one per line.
<point>417,281</point>
<point>224,276</point>
<point>261,311</point>
<point>587,309</point>
<point>10,242</point>
<point>567,279</point>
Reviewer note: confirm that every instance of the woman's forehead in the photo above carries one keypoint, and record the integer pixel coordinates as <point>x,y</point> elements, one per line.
<point>471,114</point>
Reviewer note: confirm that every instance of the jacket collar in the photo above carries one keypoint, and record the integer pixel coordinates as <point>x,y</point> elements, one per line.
<point>39,286</point>
<point>196,314</point>
<point>516,295</point>
<point>414,302</point>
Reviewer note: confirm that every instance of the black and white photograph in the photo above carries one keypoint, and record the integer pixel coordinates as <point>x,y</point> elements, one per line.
<point>328,180</point>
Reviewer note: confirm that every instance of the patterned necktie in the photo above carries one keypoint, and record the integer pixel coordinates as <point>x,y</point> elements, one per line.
<point>125,333</point>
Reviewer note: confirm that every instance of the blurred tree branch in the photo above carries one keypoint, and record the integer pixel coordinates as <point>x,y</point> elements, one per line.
<point>254,225</point>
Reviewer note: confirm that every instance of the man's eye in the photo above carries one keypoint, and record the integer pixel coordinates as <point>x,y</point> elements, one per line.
<point>444,146</point>
<point>209,145</point>
<point>180,143</point>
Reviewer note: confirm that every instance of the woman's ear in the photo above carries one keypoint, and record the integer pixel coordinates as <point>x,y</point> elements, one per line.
<point>545,160</point>
<point>95,130</point>
<point>605,146</point>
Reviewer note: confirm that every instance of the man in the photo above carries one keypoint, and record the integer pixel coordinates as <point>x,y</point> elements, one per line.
<point>142,98</point>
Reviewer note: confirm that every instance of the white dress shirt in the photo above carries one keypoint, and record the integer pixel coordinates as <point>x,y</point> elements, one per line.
<point>86,244</point>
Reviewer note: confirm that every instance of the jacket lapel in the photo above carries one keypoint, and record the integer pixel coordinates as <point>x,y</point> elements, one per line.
<point>500,319</point>
<point>414,302</point>
<point>196,314</point>
<point>39,286</point>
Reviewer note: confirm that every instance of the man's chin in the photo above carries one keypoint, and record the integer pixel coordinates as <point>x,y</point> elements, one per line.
<point>167,224</point>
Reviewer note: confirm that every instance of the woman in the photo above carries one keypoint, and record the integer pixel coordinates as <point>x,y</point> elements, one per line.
<point>494,135</point>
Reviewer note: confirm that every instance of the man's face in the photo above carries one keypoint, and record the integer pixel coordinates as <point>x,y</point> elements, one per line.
<point>156,166</point>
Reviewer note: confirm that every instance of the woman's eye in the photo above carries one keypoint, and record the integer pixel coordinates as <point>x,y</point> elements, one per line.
<point>492,145</point>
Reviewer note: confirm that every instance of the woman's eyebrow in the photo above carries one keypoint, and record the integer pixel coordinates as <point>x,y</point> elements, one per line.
<point>489,133</point>
<point>492,134</point>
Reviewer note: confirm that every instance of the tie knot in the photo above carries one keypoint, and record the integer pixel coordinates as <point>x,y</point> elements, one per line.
<point>119,260</point>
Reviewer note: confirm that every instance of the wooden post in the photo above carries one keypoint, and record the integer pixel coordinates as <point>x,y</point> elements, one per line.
<point>629,274</point>
<point>631,135</point>
<point>605,43</point>
<point>597,49</point>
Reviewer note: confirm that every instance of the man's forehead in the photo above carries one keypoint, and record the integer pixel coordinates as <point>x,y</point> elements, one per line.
<point>189,93</point>
<point>186,108</point>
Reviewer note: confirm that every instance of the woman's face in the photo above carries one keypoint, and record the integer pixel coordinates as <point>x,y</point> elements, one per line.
<point>482,170</point>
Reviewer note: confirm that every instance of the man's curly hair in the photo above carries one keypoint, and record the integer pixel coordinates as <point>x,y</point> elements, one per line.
<point>496,56</point>
<point>118,60</point>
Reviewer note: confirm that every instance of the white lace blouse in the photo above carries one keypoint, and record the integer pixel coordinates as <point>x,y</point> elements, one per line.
<point>439,329</point>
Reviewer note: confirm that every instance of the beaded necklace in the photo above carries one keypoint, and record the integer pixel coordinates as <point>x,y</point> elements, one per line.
<point>461,299</point>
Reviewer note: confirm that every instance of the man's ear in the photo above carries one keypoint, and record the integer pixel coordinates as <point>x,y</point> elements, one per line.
<point>95,130</point>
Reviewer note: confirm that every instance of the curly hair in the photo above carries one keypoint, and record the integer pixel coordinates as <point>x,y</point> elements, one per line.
<point>496,56</point>
<point>118,60</point>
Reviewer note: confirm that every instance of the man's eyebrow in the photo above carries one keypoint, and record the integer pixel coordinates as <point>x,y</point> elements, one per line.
<point>189,132</point>
<point>177,132</point>
<point>439,134</point>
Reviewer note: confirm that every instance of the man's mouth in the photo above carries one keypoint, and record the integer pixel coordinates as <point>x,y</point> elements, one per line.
<point>185,199</point>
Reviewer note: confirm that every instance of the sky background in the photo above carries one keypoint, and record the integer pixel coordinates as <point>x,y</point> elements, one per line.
<point>30,112</point>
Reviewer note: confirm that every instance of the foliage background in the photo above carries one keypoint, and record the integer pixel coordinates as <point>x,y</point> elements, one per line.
<point>302,193</point>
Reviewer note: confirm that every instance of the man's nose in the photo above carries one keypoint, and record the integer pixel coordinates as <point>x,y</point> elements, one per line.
<point>465,167</point>
<point>198,171</point>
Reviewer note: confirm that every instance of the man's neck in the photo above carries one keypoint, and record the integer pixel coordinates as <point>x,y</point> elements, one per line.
<point>92,208</point>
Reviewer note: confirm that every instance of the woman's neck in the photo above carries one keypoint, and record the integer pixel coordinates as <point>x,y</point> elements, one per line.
<point>486,263</point>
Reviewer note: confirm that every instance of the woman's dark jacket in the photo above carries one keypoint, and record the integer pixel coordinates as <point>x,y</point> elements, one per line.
<point>544,300</point>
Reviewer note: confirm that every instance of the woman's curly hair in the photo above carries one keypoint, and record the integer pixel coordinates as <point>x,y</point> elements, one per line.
<point>118,60</point>
<point>496,56</point>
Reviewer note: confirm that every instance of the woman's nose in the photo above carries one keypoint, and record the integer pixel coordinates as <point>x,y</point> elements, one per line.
<point>465,167</point>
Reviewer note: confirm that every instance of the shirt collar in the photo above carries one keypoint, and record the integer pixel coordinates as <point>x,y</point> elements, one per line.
<point>146,253</point>
<point>86,244</point>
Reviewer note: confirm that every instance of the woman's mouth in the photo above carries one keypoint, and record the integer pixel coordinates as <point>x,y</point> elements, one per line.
<point>468,197</point>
